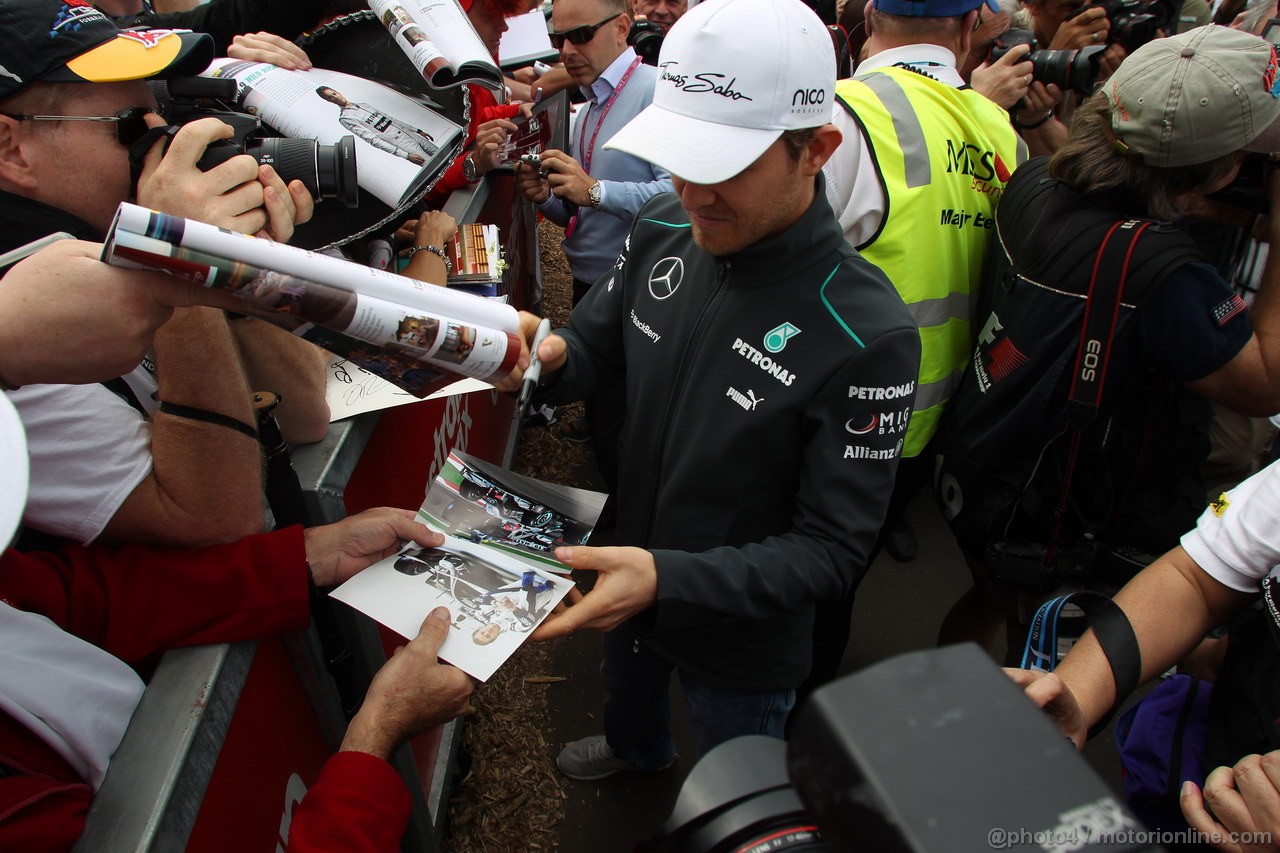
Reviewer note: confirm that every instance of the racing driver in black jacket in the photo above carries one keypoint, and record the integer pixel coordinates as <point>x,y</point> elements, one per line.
<point>769,377</point>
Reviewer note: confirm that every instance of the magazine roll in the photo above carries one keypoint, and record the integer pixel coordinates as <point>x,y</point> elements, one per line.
<point>439,40</point>
<point>454,332</point>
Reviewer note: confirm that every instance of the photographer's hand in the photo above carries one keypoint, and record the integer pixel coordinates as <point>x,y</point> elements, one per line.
<point>1006,81</point>
<point>1088,26</point>
<point>228,195</point>
<point>531,184</point>
<point>1036,122</point>
<point>567,177</point>
<point>1110,60</point>
<point>285,206</point>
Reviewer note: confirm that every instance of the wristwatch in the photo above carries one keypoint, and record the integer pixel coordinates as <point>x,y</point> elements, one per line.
<point>469,169</point>
<point>593,194</point>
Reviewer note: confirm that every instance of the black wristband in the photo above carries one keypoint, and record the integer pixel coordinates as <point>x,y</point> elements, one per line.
<point>191,413</point>
<point>1041,123</point>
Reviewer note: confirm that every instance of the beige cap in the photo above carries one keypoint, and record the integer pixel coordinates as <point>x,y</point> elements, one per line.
<point>1194,97</point>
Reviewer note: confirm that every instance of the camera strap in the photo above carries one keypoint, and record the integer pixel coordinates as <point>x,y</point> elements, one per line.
<point>1093,354</point>
<point>1111,628</point>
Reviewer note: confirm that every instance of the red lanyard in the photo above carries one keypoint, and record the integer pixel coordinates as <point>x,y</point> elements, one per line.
<point>583,149</point>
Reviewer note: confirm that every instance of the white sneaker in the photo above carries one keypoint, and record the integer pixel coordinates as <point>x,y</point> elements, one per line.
<point>590,758</point>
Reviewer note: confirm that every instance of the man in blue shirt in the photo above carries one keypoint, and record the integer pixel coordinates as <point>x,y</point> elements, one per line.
<point>592,193</point>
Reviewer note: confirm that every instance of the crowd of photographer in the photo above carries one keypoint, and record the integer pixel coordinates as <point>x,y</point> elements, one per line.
<point>703,223</point>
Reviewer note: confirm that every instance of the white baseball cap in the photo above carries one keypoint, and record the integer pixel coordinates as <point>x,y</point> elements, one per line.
<point>13,470</point>
<point>733,75</point>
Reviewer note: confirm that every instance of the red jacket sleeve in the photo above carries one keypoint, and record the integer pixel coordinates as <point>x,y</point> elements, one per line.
<point>484,107</point>
<point>358,805</point>
<point>42,801</point>
<point>135,600</point>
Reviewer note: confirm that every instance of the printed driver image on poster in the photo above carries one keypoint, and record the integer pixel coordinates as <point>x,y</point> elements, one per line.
<point>496,571</point>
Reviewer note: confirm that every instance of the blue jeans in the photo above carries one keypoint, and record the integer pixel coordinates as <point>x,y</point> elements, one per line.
<point>637,705</point>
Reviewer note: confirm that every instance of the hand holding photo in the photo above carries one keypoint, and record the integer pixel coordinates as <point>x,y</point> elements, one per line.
<point>496,571</point>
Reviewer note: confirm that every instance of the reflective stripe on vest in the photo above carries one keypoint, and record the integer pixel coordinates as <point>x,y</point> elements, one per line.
<point>943,156</point>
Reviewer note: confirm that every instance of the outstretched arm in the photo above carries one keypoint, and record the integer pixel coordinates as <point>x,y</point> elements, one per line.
<point>359,802</point>
<point>205,485</point>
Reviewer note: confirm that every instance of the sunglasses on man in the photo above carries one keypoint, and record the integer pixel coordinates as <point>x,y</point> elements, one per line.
<point>130,123</point>
<point>578,35</point>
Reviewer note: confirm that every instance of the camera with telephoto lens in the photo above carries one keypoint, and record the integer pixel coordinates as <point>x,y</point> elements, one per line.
<point>928,752</point>
<point>646,37</point>
<point>327,171</point>
<point>1069,70</point>
<point>1136,22</point>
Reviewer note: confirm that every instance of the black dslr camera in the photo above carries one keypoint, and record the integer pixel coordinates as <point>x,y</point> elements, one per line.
<point>929,752</point>
<point>1069,70</point>
<point>328,171</point>
<point>646,37</point>
<point>1136,22</point>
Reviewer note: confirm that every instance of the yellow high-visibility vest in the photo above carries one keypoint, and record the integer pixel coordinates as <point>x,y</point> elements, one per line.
<point>943,156</point>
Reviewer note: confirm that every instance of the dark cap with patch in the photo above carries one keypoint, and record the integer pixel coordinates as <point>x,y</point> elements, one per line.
<point>70,41</point>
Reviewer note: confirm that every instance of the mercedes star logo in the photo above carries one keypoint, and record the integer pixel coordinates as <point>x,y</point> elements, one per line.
<point>665,277</point>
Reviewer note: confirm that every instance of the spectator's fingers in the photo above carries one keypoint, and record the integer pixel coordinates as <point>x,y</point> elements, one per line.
<point>304,204</point>
<point>249,222</point>
<point>156,153</point>
<point>1015,55</point>
<point>279,205</point>
<point>1224,800</point>
<point>1256,780</point>
<point>434,630</point>
<point>1198,818</point>
<point>194,137</point>
<point>236,175</point>
<point>244,198</point>
<point>269,48</point>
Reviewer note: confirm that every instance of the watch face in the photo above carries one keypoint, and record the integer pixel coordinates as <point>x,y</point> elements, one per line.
<point>469,169</point>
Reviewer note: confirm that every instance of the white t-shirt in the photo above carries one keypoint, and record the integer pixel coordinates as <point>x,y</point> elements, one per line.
<point>71,694</point>
<point>89,450</point>
<point>1237,539</point>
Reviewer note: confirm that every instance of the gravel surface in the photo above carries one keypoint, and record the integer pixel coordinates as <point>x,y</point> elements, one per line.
<point>510,796</point>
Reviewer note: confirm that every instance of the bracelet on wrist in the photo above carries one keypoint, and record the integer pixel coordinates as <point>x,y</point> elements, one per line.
<point>437,251</point>
<point>191,413</point>
<point>1017,122</point>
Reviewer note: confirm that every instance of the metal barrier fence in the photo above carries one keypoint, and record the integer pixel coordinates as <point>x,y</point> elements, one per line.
<point>227,737</point>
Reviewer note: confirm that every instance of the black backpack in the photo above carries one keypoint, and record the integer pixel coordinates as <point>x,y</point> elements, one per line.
<point>1042,450</point>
